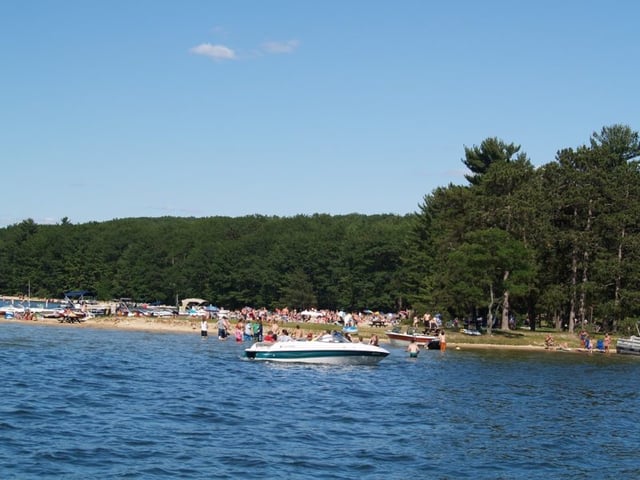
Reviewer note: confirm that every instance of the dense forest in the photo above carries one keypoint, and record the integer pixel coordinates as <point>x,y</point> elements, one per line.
<point>351,262</point>
<point>559,243</point>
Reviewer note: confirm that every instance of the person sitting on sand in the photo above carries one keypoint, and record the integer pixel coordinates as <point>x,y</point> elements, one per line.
<point>413,348</point>
<point>548,341</point>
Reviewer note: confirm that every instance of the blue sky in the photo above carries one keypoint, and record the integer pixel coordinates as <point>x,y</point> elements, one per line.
<point>149,108</point>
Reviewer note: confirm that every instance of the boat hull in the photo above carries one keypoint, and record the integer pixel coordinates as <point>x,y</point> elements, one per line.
<point>628,346</point>
<point>317,353</point>
<point>397,339</point>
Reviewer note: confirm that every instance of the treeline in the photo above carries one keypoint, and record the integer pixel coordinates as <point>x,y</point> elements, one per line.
<point>559,243</point>
<point>351,262</point>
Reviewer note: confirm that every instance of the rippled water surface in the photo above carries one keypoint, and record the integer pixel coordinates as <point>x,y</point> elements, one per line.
<point>78,403</point>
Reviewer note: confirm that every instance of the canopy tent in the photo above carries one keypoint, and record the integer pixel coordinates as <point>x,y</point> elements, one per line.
<point>78,294</point>
<point>190,302</point>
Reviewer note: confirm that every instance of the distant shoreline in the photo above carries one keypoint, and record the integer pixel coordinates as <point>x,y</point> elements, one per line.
<point>192,326</point>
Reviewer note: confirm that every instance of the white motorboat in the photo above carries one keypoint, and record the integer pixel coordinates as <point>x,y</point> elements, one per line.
<point>328,348</point>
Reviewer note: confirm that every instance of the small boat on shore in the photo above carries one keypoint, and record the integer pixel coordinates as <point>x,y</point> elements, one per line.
<point>472,332</point>
<point>328,348</point>
<point>400,339</point>
<point>628,346</point>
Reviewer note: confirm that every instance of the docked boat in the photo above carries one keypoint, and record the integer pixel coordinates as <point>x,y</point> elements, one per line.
<point>328,348</point>
<point>472,332</point>
<point>629,346</point>
<point>400,339</point>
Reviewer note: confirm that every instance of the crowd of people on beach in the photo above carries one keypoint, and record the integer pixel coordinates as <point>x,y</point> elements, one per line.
<point>251,329</point>
<point>260,324</point>
<point>586,343</point>
<point>258,330</point>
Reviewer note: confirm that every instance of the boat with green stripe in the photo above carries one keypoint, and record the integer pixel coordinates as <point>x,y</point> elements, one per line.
<point>328,348</point>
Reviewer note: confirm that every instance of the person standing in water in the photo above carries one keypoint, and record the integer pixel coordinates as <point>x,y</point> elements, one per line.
<point>239,330</point>
<point>223,327</point>
<point>413,348</point>
<point>443,340</point>
<point>248,331</point>
<point>204,327</point>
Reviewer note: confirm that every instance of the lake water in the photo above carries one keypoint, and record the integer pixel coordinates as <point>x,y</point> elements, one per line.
<point>78,403</point>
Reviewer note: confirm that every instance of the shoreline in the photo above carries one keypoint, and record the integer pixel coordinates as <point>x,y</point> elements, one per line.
<point>145,324</point>
<point>191,326</point>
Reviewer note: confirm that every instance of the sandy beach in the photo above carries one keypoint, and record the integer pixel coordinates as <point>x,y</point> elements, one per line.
<point>192,325</point>
<point>177,325</point>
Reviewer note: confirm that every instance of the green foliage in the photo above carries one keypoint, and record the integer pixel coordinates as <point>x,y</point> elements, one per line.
<point>559,242</point>
<point>341,262</point>
<point>562,239</point>
<point>490,152</point>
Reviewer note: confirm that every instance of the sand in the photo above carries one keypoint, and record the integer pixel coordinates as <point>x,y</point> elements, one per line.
<point>192,326</point>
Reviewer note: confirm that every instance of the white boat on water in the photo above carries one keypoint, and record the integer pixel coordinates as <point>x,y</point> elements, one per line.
<point>630,346</point>
<point>400,339</point>
<point>329,348</point>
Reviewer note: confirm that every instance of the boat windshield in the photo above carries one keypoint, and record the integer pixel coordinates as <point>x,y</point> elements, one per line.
<point>334,337</point>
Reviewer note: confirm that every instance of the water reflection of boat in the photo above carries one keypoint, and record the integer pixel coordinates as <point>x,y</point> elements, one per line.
<point>329,348</point>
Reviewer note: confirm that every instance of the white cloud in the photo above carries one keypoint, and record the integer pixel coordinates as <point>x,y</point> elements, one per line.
<point>217,52</point>
<point>280,47</point>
